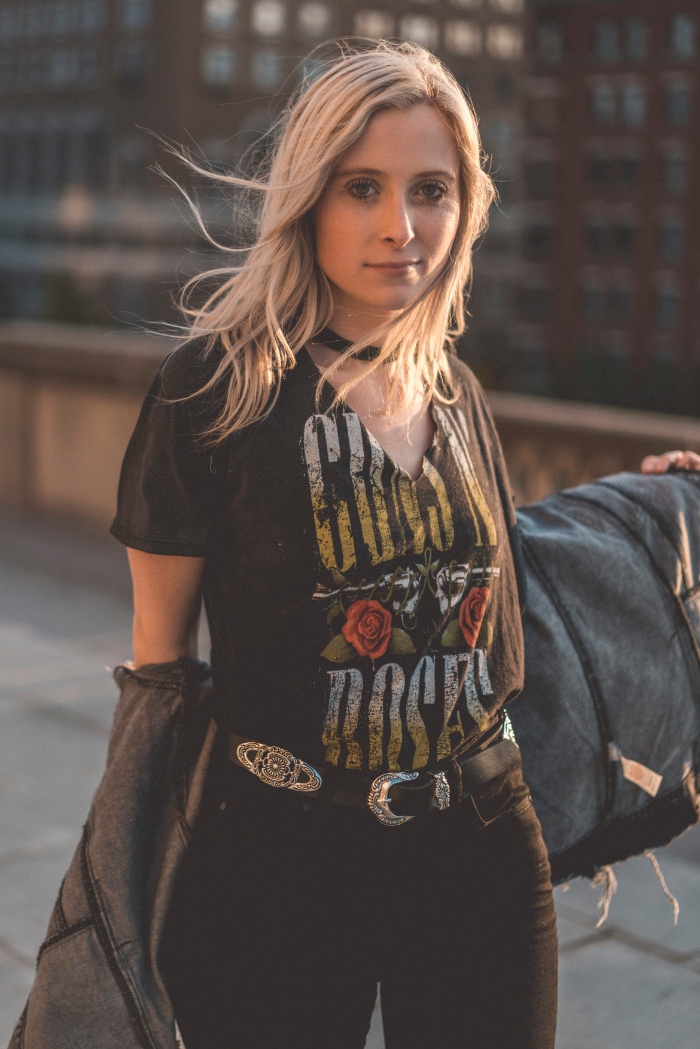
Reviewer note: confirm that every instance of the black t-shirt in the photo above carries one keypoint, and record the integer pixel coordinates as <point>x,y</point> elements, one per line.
<point>357,616</point>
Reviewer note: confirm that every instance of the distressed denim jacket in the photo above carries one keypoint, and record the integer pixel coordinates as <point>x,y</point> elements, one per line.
<point>98,984</point>
<point>612,638</point>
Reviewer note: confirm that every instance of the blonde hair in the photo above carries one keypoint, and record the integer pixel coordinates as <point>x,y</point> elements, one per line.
<point>268,307</point>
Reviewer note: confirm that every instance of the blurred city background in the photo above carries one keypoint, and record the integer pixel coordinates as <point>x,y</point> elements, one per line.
<point>585,329</point>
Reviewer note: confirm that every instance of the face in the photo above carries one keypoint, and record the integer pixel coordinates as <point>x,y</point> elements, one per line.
<point>388,217</point>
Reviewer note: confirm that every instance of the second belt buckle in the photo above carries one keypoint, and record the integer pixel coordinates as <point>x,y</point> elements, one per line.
<point>380,803</point>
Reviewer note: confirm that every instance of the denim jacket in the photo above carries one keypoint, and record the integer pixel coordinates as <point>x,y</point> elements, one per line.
<point>98,984</point>
<point>609,719</point>
<point>612,633</point>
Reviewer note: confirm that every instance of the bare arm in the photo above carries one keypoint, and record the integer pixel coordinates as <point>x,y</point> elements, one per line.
<point>167,601</point>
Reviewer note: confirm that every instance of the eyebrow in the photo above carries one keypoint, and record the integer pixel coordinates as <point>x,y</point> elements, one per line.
<point>448,175</point>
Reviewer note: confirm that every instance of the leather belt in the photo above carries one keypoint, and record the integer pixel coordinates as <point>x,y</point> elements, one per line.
<point>393,797</point>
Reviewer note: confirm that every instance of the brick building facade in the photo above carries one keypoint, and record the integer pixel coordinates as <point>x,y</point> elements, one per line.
<point>610,309</point>
<point>90,232</point>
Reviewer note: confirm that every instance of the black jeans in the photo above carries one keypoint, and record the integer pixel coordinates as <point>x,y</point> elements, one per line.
<point>288,914</point>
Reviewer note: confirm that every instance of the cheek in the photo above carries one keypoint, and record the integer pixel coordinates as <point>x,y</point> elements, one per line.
<point>443,233</point>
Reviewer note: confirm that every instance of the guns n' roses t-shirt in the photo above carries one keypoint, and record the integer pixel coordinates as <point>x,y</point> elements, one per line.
<point>357,616</point>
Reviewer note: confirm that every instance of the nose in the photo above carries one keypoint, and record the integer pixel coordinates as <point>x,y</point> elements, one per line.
<point>396,222</point>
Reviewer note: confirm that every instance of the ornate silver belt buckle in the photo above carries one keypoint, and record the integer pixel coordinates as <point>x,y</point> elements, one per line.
<point>379,801</point>
<point>441,799</point>
<point>276,767</point>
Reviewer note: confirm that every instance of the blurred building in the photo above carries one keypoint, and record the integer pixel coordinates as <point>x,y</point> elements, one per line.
<point>88,232</point>
<point>610,309</point>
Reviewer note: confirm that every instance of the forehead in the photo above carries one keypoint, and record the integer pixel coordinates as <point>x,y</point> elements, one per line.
<point>403,138</point>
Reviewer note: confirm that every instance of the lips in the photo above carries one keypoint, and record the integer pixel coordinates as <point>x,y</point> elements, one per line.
<point>393,266</point>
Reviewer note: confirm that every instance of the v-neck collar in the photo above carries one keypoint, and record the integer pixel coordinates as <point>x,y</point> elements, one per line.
<point>305,358</point>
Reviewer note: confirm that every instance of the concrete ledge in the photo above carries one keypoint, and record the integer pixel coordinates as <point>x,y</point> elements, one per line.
<point>91,355</point>
<point>69,398</point>
<point>597,419</point>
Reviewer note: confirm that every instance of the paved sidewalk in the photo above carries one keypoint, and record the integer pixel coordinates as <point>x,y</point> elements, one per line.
<point>64,621</point>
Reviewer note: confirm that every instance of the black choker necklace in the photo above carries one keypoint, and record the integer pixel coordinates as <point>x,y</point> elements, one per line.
<point>336,342</point>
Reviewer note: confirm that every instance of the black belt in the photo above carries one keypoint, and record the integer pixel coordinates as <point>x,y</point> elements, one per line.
<point>393,797</point>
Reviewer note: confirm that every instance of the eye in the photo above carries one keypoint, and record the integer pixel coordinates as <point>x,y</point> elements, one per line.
<point>361,188</point>
<point>433,190</point>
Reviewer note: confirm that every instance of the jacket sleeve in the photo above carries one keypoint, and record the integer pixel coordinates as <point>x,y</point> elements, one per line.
<point>97,979</point>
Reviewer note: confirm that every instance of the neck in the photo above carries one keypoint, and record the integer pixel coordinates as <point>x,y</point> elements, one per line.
<point>353,325</point>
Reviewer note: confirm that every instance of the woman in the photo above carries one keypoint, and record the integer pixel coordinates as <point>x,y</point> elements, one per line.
<point>321,468</point>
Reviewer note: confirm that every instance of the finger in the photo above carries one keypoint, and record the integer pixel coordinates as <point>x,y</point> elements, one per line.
<point>656,464</point>
<point>676,460</point>
<point>687,461</point>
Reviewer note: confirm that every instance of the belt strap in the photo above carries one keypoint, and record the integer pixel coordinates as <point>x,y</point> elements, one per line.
<point>413,797</point>
<point>410,794</point>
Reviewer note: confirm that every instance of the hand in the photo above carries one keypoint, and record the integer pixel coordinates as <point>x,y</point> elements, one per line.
<point>661,464</point>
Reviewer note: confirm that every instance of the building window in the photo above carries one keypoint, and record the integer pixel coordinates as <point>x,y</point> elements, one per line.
<point>218,65</point>
<point>544,114</point>
<point>266,68</point>
<point>504,41</point>
<point>594,237</point>
<point>593,303</point>
<point>9,24</point>
<point>606,40</point>
<point>683,36</point>
<point>28,71</point>
<point>624,238</point>
<point>420,30</point>
<point>636,39</point>
<point>130,165</point>
<point>634,105</point>
<point>63,17</point>
<point>549,43</point>
<point>462,37</point>
<point>675,173</point>
<point>620,301</point>
<point>504,89</point>
<point>90,67</point>
<point>37,20</point>
<point>672,237</point>
<point>598,171</point>
<point>63,67</point>
<point>537,240</point>
<point>268,17</point>
<point>603,105</point>
<point>131,63</point>
<point>314,19</point>
<point>7,73</point>
<point>374,23</point>
<point>220,15</point>
<point>94,16</point>
<point>136,14</point>
<point>678,103</point>
<point>495,297</point>
<point>629,169</point>
<point>539,178</point>
<point>668,307</point>
<point>510,7</point>
<point>534,303</point>
<point>95,158</point>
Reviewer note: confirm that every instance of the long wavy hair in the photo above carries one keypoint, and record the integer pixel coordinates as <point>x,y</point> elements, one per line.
<point>267,307</point>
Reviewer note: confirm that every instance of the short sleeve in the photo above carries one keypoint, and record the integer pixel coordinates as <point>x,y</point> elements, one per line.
<point>169,479</point>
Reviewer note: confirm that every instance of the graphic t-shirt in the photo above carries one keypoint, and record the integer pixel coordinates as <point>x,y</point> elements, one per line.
<point>358,616</point>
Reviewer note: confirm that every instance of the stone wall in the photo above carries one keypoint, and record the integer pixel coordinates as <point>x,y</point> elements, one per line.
<point>69,398</point>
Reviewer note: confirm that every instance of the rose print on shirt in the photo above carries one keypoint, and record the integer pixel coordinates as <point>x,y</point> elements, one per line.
<point>368,628</point>
<point>471,613</point>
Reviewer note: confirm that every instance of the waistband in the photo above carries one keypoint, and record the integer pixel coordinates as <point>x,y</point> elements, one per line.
<point>393,797</point>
